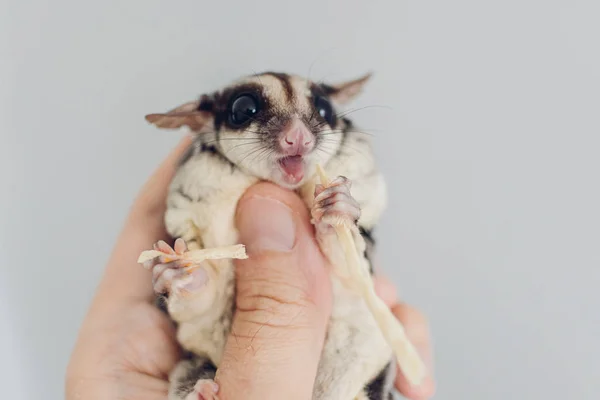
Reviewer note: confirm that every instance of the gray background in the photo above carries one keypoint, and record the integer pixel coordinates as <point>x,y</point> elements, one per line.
<point>491,149</point>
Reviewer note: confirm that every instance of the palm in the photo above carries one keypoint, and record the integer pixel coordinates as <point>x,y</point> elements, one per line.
<point>139,352</point>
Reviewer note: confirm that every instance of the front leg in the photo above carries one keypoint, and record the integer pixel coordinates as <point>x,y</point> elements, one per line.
<point>199,300</point>
<point>355,362</point>
<point>182,283</point>
<point>332,205</point>
<point>169,274</point>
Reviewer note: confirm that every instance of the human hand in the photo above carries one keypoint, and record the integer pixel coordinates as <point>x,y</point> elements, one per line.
<point>126,347</point>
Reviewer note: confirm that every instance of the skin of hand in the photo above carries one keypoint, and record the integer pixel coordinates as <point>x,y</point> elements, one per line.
<point>126,347</point>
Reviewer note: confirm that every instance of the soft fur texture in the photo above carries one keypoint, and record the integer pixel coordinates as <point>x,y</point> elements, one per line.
<point>222,163</point>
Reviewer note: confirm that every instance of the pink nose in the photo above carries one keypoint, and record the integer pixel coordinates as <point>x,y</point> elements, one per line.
<point>297,140</point>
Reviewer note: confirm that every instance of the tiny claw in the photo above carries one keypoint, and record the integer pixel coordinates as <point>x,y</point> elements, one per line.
<point>335,202</point>
<point>341,180</point>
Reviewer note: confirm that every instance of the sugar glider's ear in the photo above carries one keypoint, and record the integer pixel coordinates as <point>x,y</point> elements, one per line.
<point>189,114</point>
<point>345,92</point>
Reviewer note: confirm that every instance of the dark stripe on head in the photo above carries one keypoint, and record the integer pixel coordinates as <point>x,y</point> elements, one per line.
<point>285,82</point>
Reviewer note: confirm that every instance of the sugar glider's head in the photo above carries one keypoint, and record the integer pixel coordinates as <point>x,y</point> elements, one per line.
<point>275,126</point>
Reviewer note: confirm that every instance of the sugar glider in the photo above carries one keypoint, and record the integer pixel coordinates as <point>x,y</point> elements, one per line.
<point>276,127</point>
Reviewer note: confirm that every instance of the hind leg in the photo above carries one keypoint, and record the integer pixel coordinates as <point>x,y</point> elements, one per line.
<point>192,379</point>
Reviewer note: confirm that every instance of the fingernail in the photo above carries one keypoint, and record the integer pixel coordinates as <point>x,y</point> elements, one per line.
<point>266,224</point>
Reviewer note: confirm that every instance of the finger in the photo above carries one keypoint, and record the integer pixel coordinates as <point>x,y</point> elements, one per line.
<point>386,290</point>
<point>283,301</point>
<point>417,330</point>
<point>124,280</point>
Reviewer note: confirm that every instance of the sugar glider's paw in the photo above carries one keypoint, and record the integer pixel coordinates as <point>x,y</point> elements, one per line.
<point>169,271</point>
<point>335,203</point>
<point>205,389</point>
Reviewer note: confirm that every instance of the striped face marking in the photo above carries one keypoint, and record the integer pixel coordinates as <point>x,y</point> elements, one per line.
<point>274,125</point>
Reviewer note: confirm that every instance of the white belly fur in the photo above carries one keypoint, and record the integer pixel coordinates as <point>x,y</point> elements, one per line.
<point>201,205</point>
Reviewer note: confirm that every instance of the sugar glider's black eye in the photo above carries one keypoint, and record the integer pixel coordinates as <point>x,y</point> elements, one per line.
<point>243,109</point>
<point>325,109</point>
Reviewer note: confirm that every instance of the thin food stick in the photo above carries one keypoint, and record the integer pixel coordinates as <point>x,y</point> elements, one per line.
<point>408,359</point>
<point>193,258</point>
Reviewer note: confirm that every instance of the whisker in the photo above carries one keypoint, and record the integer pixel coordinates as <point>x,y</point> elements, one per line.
<point>337,132</point>
<point>257,153</point>
<point>250,153</point>
<point>324,151</point>
<point>258,76</point>
<point>270,152</point>
<point>257,138</point>
<point>260,153</point>
<point>235,138</point>
<point>342,114</point>
<point>346,145</point>
<point>329,140</point>
<point>314,62</point>
<point>239,145</point>
<point>217,141</point>
<point>348,112</point>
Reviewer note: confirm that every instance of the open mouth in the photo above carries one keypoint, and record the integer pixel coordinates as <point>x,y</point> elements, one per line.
<point>292,168</point>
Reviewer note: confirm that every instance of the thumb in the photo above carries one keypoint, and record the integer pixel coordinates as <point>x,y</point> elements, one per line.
<point>283,301</point>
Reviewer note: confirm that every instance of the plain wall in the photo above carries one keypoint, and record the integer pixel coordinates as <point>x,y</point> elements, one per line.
<point>488,132</point>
